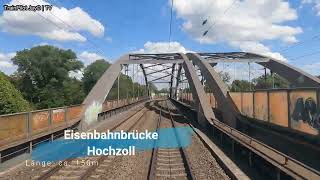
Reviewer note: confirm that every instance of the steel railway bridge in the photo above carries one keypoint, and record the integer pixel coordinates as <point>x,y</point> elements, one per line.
<point>275,129</point>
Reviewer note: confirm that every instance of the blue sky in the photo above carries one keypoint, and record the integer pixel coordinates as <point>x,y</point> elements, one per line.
<point>111,28</point>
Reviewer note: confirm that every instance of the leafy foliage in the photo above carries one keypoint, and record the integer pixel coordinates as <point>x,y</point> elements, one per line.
<point>73,91</point>
<point>43,73</point>
<point>270,81</point>
<point>11,100</point>
<point>92,73</point>
<point>241,85</point>
<point>261,82</point>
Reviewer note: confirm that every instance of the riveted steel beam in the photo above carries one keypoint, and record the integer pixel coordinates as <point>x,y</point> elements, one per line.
<point>146,67</point>
<point>158,71</point>
<point>171,80</point>
<point>295,76</point>
<point>160,78</point>
<point>145,61</point>
<point>145,79</point>
<point>218,88</point>
<point>178,80</point>
<point>202,105</point>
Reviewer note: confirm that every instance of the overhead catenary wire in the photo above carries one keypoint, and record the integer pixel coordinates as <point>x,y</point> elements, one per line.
<point>170,25</point>
<point>215,22</point>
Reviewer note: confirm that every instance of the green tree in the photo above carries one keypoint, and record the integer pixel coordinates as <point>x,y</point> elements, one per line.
<point>270,81</point>
<point>42,73</point>
<point>73,91</point>
<point>241,85</point>
<point>11,100</point>
<point>92,73</point>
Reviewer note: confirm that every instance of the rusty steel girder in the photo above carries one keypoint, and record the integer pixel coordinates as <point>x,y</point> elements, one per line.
<point>93,101</point>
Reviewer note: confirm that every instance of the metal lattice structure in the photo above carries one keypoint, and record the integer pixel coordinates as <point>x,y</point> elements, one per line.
<point>178,62</point>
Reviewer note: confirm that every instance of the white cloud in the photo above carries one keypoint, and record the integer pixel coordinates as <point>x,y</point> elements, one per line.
<point>6,64</point>
<point>60,24</point>
<point>163,47</point>
<point>245,25</point>
<point>89,57</point>
<point>76,74</point>
<point>259,48</point>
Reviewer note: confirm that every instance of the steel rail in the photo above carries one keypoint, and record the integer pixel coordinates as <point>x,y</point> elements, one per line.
<point>87,173</point>
<point>183,152</point>
<point>285,163</point>
<point>233,171</point>
<point>153,161</point>
<point>56,168</point>
<point>152,166</point>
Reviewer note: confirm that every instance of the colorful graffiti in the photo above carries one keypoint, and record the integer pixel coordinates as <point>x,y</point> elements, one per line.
<point>307,111</point>
<point>40,120</point>
<point>273,107</point>
<point>58,116</point>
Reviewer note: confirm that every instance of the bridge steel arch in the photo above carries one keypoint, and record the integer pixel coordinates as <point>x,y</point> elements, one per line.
<point>202,105</point>
<point>171,80</point>
<point>296,76</point>
<point>219,89</point>
<point>177,81</point>
<point>145,79</point>
<point>96,97</point>
<point>93,102</point>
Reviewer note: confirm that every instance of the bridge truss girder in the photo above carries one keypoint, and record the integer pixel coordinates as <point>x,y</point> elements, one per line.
<point>93,102</point>
<point>296,76</point>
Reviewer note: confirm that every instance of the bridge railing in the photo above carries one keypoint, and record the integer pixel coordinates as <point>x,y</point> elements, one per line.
<point>187,98</point>
<point>107,105</point>
<point>23,127</point>
<point>28,125</point>
<point>297,109</point>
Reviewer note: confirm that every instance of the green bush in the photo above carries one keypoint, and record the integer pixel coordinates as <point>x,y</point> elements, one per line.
<point>11,100</point>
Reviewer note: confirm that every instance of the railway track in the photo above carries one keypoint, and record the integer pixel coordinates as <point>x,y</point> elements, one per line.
<point>167,163</point>
<point>84,168</point>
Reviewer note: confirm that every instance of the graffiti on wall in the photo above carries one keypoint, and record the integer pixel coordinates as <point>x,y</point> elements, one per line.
<point>306,112</point>
<point>58,116</point>
<point>40,120</point>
